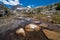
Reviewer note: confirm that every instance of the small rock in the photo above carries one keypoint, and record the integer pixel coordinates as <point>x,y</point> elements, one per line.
<point>20,31</point>
<point>43,25</point>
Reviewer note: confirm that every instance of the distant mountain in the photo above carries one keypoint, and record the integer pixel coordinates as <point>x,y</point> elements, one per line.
<point>4,10</point>
<point>16,6</point>
<point>58,6</point>
<point>8,6</point>
<point>1,2</point>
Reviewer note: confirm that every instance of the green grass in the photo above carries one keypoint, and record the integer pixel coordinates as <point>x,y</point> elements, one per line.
<point>55,17</point>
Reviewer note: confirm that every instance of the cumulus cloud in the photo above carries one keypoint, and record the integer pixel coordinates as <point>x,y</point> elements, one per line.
<point>0,0</point>
<point>15,2</point>
<point>5,2</point>
<point>10,2</point>
<point>30,6</point>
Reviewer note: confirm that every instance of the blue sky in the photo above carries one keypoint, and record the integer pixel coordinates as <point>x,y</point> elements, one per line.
<point>29,3</point>
<point>38,2</point>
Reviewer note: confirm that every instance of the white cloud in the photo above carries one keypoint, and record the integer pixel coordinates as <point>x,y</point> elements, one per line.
<point>30,6</point>
<point>15,2</point>
<point>10,2</point>
<point>0,0</point>
<point>5,2</point>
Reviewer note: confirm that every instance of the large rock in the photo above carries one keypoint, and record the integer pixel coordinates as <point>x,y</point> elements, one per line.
<point>32,27</point>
